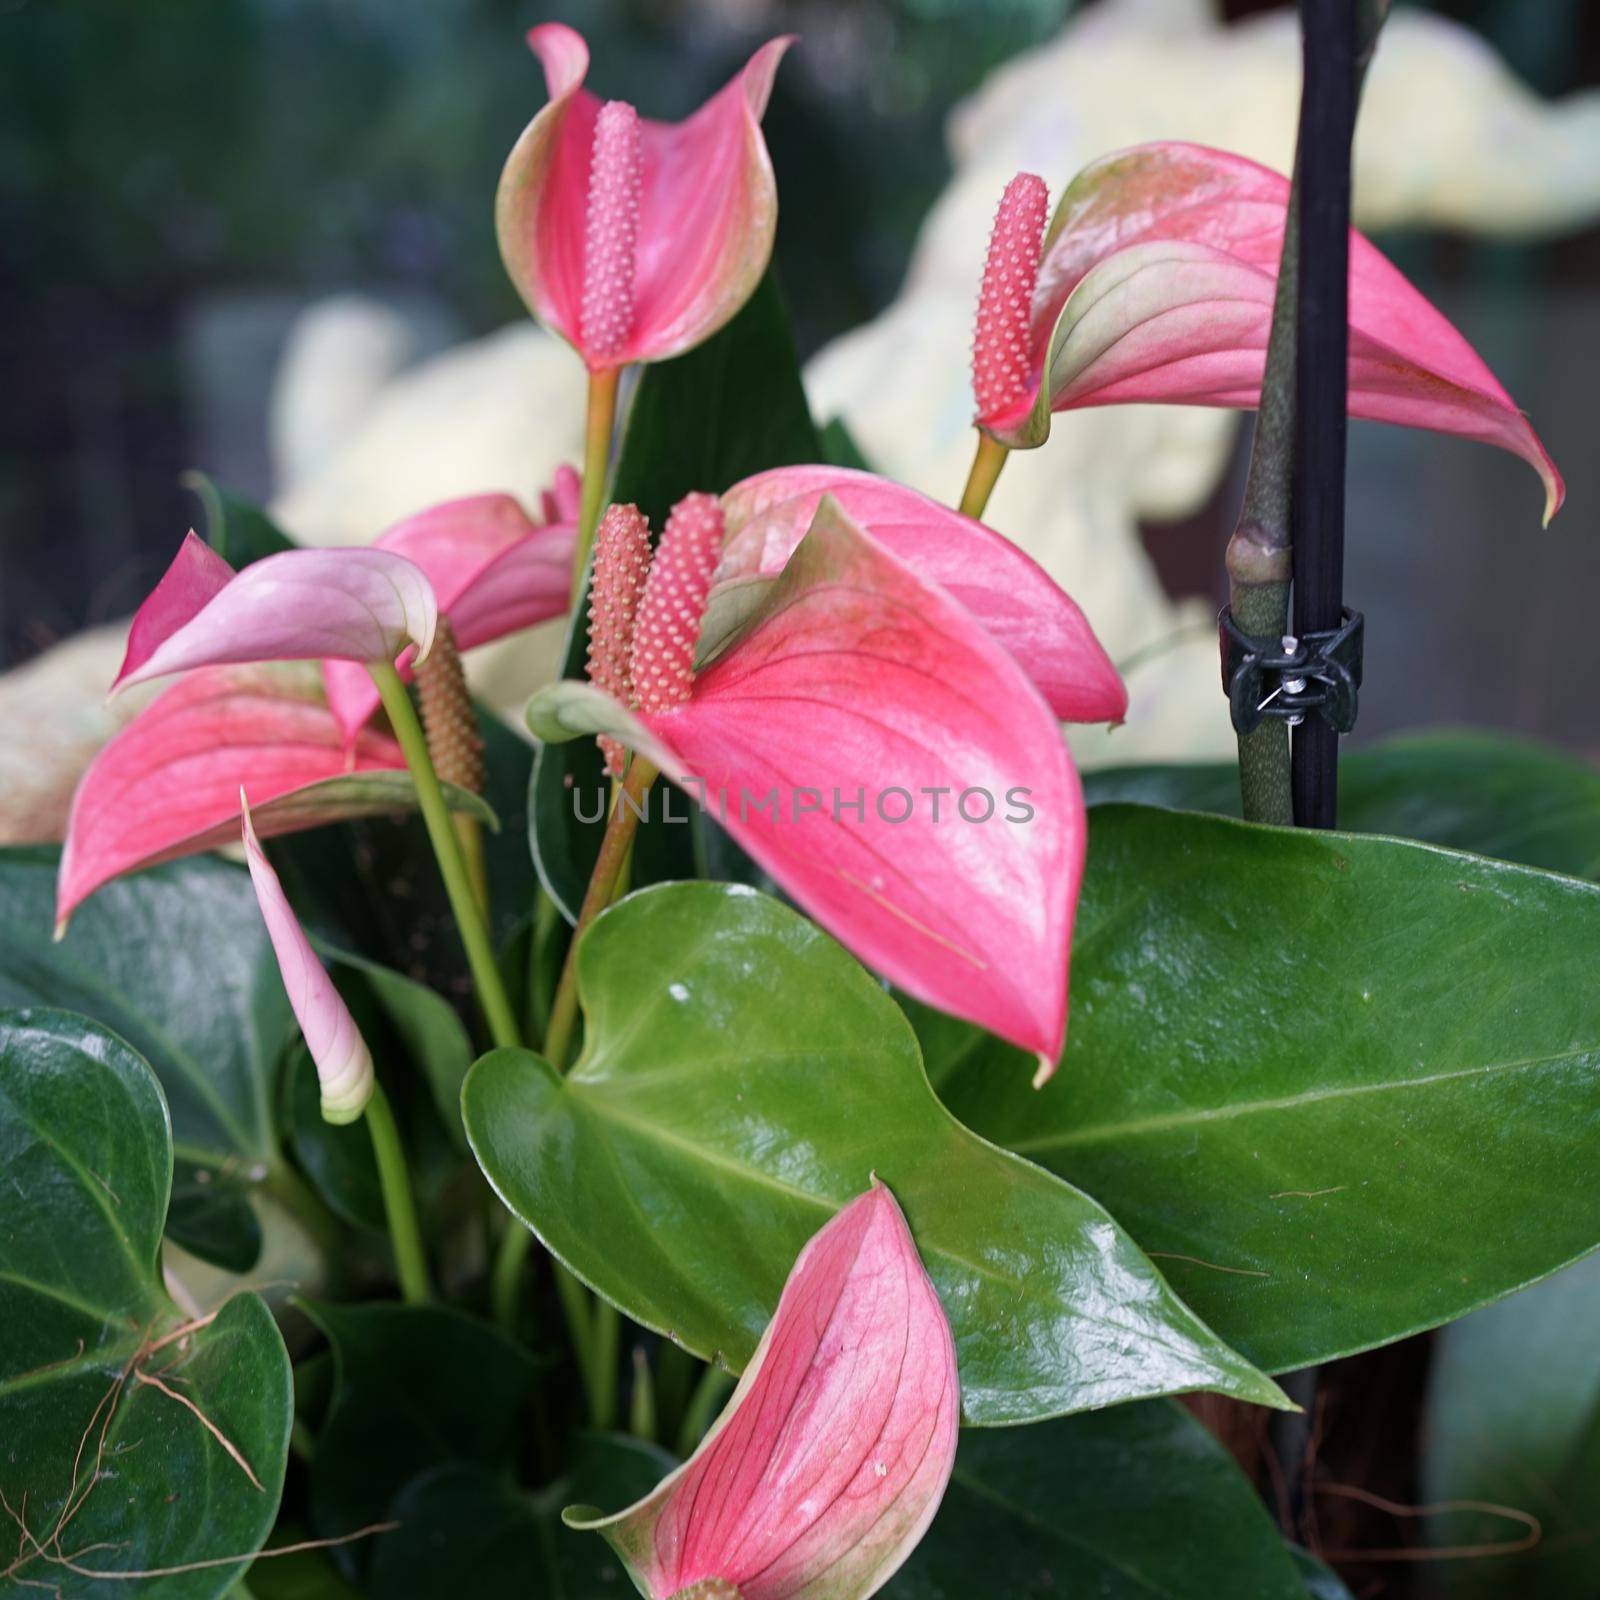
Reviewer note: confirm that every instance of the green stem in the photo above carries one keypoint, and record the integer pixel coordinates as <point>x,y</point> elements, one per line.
<point>447,848</point>
<point>607,1328</point>
<point>642,1416</point>
<point>510,1259</point>
<point>598,421</point>
<point>399,1203</point>
<point>986,465</point>
<point>627,804</point>
<point>704,1405</point>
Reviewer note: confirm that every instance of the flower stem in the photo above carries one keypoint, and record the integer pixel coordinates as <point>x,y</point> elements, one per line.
<point>607,1326</point>
<point>986,465</point>
<point>399,1203</point>
<point>510,1259</point>
<point>598,420</point>
<point>627,805</point>
<point>447,847</point>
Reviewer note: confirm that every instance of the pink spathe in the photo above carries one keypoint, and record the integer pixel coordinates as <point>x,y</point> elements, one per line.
<point>637,254</point>
<point>1156,284</point>
<point>831,1458</point>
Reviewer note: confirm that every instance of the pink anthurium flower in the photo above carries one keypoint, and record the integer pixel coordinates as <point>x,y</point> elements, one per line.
<point>494,571</point>
<point>168,784</point>
<point>299,605</point>
<point>1008,592</point>
<point>832,1456</point>
<point>343,1061</point>
<point>637,240</point>
<point>1155,282</point>
<point>875,749</point>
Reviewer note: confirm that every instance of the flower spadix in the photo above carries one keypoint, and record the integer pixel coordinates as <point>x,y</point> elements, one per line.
<point>636,240</point>
<point>343,1062</point>
<point>1155,283</point>
<point>868,741</point>
<point>832,1456</point>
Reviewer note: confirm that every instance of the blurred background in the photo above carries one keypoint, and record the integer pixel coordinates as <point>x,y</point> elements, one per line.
<point>181,178</point>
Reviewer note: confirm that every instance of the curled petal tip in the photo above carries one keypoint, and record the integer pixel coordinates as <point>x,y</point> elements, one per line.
<point>563,55</point>
<point>762,70</point>
<point>1045,1069</point>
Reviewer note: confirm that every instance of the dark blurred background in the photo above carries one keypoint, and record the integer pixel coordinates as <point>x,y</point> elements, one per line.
<point>179,177</point>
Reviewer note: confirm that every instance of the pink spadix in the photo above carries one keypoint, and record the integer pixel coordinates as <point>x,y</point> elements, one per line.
<point>621,561</point>
<point>611,233</point>
<point>828,1465</point>
<point>674,603</point>
<point>1000,346</point>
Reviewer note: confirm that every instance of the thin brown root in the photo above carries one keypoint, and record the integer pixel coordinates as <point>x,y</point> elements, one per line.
<point>228,1561</point>
<point>1307,1194</point>
<point>206,1423</point>
<point>1457,1552</point>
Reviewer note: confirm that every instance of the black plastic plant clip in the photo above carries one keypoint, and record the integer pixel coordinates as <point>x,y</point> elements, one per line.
<point>1292,678</point>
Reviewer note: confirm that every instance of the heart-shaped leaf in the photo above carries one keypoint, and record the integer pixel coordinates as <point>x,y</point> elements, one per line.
<point>701,422</point>
<point>1135,1503</point>
<point>144,1450</point>
<point>680,1173</point>
<point>177,962</point>
<point>1342,1088</point>
<point>1504,797</point>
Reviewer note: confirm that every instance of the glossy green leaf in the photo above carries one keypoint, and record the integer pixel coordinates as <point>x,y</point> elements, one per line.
<point>1135,1503</point>
<point>731,407</point>
<point>1341,1088</point>
<point>237,530</point>
<point>132,1439</point>
<point>464,1520</point>
<point>176,960</point>
<point>718,1117</point>
<point>1513,1419</point>
<point>1503,797</point>
<point>414,1387</point>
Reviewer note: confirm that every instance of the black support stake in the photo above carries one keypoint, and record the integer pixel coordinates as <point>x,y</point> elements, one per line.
<point>1327,123</point>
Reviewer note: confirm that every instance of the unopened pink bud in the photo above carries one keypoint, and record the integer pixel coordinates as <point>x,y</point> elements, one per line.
<point>611,230</point>
<point>621,561</point>
<point>674,603</point>
<point>1001,375</point>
